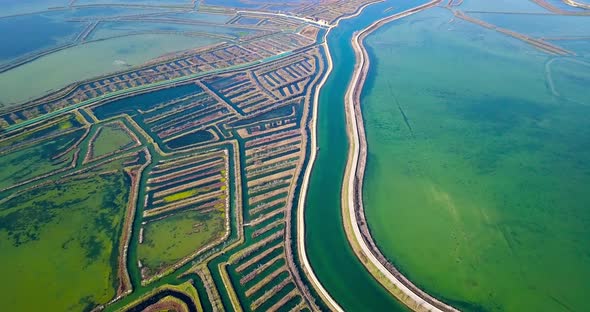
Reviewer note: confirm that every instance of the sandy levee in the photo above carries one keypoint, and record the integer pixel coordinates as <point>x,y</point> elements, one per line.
<point>306,266</point>
<point>353,213</point>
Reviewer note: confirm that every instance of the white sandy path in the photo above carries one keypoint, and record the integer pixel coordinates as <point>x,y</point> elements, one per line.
<point>306,266</point>
<point>355,152</point>
<point>302,195</point>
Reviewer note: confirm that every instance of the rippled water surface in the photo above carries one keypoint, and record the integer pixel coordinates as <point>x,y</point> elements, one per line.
<point>479,164</point>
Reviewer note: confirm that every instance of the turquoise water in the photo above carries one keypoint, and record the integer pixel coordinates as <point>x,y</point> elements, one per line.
<point>540,26</point>
<point>502,6</point>
<point>477,177</point>
<point>250,4</point>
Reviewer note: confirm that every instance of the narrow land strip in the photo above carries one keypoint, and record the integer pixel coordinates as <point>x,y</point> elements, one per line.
<point>352,205</point>
<point>305,265</point>
<point>577,4</point>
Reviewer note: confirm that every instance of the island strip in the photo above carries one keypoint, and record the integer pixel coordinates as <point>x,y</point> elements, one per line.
<point>352,205</point>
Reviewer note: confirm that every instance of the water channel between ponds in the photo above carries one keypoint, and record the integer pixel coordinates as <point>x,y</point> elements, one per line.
<point>477,173</point>
<point>329,252</point>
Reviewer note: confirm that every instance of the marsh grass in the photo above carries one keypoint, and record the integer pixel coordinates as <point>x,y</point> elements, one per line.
<point>168,240</point>
<point>111,139</point>
<point>59,242</point>
<point>35,160</point>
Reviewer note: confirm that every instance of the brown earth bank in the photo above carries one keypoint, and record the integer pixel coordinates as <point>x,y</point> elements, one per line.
<point>410,294</point>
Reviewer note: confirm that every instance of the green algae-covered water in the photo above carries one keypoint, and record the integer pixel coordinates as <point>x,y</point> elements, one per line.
<point>478,173</point>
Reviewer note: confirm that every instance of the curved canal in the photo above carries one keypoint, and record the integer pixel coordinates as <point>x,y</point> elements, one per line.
<point>329,252</point>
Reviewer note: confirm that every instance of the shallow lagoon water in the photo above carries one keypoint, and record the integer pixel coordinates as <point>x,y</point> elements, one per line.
<point>540,26</point>
<point>14,7</point>
<point>74,227</point>
<point>111,46</point>
<point>479,195</point>
<point>30,33</point>
<point>92,59</point>
<point>171,3</point>
<point>121,28</point>
<point>502,6</point>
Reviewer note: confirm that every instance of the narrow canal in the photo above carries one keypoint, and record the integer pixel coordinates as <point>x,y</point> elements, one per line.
<point>329,252</point>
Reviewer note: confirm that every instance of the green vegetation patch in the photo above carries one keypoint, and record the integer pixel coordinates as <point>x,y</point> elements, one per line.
<point>168,240</point>
<point>59,244</point>
<point>37,132</point>
<point>111,138</point>
<point>65,125</point>
<point>181,195</point>
<point>36,160</point>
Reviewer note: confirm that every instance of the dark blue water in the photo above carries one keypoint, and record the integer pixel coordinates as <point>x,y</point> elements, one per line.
<point>22,35</point>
